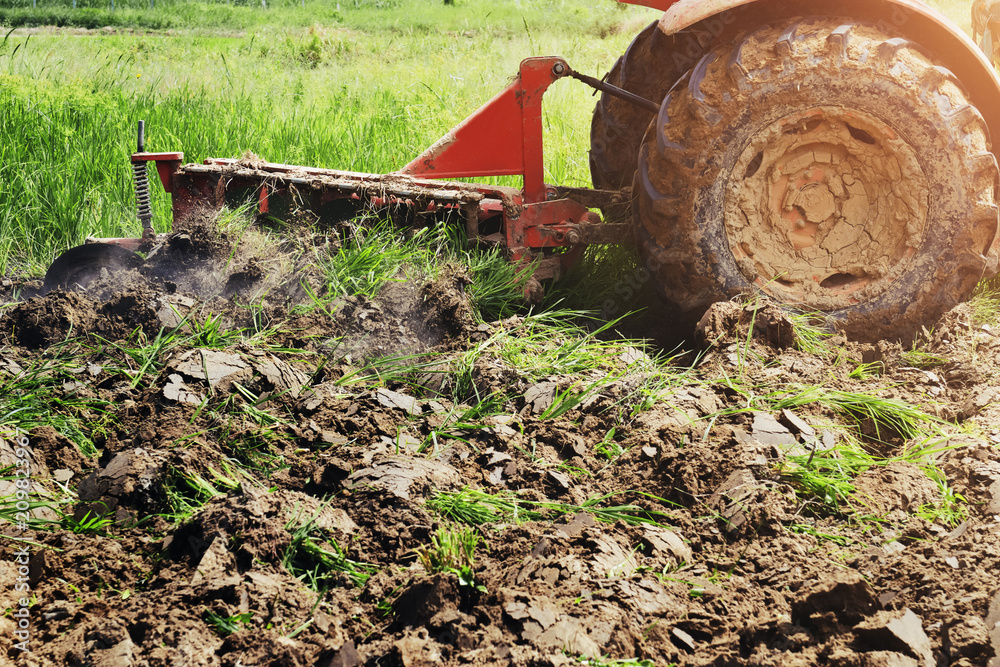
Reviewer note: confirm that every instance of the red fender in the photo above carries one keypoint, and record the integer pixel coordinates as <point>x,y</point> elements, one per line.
<point>919,22</point>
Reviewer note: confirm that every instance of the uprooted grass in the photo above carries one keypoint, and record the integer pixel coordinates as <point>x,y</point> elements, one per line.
<point>824,478</point>
<point>318,560</point>
<point>44,394</point>
<point>475,508</point>
<point>888,417</point>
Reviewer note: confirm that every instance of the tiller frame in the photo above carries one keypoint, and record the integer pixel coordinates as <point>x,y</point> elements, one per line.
<point>544,225</point>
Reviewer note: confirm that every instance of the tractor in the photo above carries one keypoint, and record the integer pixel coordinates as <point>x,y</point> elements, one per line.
<point>835,156</point>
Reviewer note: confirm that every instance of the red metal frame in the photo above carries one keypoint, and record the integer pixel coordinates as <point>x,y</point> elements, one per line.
<point>503,137</point>
<point>166,165</point>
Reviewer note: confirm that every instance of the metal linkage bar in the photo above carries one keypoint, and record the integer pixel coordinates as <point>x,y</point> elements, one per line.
<point>604,87</point>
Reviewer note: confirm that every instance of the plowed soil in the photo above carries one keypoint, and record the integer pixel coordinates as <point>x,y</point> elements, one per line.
<point>724,558</point>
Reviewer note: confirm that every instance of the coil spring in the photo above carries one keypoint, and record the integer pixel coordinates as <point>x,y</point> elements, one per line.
<point>145,212</point>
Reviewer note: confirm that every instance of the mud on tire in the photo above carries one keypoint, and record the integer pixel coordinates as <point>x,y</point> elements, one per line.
<point>833,166</point>
<point>652,63</point>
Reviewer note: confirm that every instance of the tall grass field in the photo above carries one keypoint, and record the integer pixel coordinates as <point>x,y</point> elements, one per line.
<point>357,84</point>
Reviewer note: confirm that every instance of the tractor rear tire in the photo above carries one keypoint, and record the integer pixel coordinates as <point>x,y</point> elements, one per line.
<point>832,166</point>
<point>652,63</point>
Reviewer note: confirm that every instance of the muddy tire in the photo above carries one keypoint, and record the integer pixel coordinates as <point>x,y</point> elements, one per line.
<point>832,166</point>
<point>652,63</point>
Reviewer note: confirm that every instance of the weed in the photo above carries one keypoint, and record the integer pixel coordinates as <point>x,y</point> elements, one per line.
<point>809,337</point>
<point>452,550</point>
<point>477,507</point>
<point>826,477</point>
<point>23,514</point>
<point>186,493</point>
<point>810,529</point>
<point>540,345</point>
<point>88,524</point>
<point>884,414</point>
<point>605,661</point>
<point>950,509</point>
<point>497,289</point>
<point>608,448</point>
<point>36,396</point>
<point>227,625</point>
<point>985,305</point>
<point>867,371</point>
<point>392,370</point>
<point>317,559</point>
<point>385,606</point>
<point>921,359</point>
<point>248,432</point>
<point>574,397</point>
<point>146,358</point>
<point>212,332</point>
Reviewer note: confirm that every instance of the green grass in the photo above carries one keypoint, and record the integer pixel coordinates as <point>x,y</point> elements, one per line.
<point>38,396</point>
<point>475,508</point>
<point>227,625</point>
<point>452,550</point>
<point>375,16</point>
<point>317,559</point>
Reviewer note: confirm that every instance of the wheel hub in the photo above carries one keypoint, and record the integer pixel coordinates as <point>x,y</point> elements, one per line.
<point>825,208</point>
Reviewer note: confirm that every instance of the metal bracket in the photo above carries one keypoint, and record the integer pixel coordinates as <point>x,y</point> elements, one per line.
<point>501,138</point>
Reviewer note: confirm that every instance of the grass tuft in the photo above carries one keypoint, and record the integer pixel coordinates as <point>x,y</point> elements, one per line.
<point>317,559</point>
<point>452,550</point>
<point>476,508</point>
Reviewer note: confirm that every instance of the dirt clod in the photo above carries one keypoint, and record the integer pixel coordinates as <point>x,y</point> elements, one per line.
<point>727,321</point>
<point>904,633</point>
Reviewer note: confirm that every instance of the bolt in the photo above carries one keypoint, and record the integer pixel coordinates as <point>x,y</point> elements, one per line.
<point>559,69</point>
<point>573,237</point>
<point>800,224</point>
